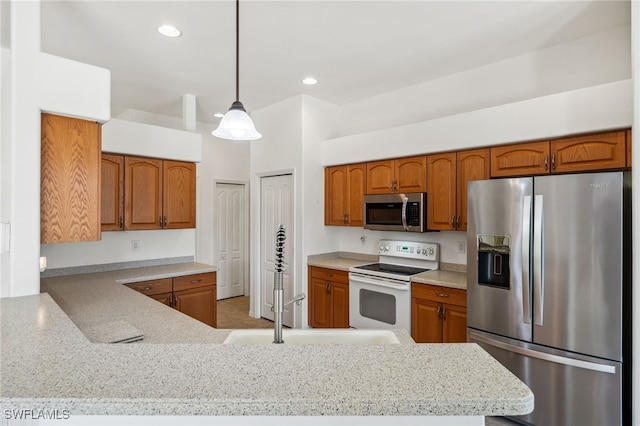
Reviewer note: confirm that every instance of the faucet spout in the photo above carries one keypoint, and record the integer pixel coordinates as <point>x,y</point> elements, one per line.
<point>278,290</point>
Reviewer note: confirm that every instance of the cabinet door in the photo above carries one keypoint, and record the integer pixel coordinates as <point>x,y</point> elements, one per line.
<point>143,193</point>
<point>356,184</point>
<point>472,165</point>
<point>339,305</point>
<point>112,193</point>
<point>380,176</point>
<point>426,326</point>
<point>454,324</point>
<point>179,195</point>
<point>199,303</point>
<point>589,152</point>
<point>319,304</point>
<point>335,195</point>
<point>69,180</point>
<point>411,174</point>
<point>441,191</point>
<point>520,159</point>
<point>164,298</point>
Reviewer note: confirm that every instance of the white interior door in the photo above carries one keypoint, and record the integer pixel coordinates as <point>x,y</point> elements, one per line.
<point>231,239</point>
<point>276,209</point>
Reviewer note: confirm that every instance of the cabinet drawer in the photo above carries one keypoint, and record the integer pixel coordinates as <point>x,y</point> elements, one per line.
<point>152,287</point>
<point>194,281</point>
<point>452,296</point>
<point>330,274</point>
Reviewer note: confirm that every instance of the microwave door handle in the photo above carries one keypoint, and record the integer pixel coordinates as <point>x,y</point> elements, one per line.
<point>404,213</point>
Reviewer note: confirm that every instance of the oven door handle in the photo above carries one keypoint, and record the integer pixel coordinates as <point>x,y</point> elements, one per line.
<point>405,201</point>
<point>380,282</point>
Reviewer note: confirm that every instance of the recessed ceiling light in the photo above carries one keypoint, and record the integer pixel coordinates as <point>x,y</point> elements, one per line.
<point>309,81</point>
<point>169,31</point>
<point>218,115</point>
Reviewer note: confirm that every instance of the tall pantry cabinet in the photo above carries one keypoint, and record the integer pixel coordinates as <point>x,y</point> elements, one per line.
<point>69,179</point>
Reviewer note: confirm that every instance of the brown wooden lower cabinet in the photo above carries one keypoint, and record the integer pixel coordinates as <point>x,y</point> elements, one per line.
<point>194,295</point>
<point>328,298</point>
<point>438,314</point>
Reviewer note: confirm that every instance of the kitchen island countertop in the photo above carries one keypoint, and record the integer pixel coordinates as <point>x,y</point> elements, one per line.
<point>48,363</point>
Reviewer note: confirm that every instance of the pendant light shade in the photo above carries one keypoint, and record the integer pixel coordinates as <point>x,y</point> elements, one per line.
<point>236,123</point>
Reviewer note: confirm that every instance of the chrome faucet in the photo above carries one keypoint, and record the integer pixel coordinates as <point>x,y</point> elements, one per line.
<point>278,290</point>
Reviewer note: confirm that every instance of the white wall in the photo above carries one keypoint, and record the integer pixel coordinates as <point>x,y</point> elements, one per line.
<point>34,82</point>
<point>278,151</point>
<point>607,106</point>
<point>116,247</point>
<point>589,61</point>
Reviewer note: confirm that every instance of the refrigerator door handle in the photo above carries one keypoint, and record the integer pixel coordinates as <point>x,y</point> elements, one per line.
<point>543,356</point>
<point>538,267</point>
<point>526,240</point>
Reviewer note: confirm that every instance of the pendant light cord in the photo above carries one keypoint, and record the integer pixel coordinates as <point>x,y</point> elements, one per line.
<point>237,50</point>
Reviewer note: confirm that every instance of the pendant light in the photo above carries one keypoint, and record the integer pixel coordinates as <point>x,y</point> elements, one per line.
<point>236,123</point>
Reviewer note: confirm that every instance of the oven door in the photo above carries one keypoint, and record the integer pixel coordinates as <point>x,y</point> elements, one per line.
<point>380,303</point>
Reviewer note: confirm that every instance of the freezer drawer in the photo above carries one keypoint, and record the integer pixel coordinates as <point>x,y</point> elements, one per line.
<point>568,389</point>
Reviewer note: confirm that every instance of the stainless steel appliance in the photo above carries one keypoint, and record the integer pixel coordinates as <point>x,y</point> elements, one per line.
<point>380,293</point>
<point>396,212</point>
<point>548,287</point>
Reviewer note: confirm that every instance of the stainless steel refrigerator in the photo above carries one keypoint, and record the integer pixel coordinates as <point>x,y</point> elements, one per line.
<point>548,287</point>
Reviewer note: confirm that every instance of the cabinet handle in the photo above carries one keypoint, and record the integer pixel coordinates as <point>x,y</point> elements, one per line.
<point>160,221</point>
<point>458,222</point>
<point>164,221</point>
<point>174,300</point>
<point>546,162</point>
<point>444,313</point>
<point>442,294</point>
<point>144,288</point>
<point>195,281</point>
<point>439,311</point>
<point>453,221</point>
<point>121,223</point>
<point>553,161</point>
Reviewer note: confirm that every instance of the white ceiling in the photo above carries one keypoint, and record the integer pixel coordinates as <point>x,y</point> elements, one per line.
<point>356,49</point>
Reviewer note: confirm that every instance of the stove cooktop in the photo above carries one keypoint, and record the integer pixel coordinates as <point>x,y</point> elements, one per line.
<point>390,268</point>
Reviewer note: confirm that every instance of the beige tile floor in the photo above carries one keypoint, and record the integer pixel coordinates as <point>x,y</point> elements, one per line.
<point>234,313</point>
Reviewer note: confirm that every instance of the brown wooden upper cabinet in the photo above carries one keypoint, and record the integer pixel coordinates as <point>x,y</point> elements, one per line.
<point>447,177</point>
<point>159,194</point>
<point>112,192</point>
<point>69,179</point>
<point>597,151</point>
<point>344,192</point>
<point>401,175</point>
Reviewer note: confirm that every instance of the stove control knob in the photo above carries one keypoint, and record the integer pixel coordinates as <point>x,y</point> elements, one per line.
<point>424,250</point>
<point>430,251</point>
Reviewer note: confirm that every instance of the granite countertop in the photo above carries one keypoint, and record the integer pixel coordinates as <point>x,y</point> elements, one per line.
<point>48,363</point>
<point>449,276</point>
<point>451,279</point>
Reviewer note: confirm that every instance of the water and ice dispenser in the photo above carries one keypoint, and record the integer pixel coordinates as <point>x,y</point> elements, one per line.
<point>493,260</point>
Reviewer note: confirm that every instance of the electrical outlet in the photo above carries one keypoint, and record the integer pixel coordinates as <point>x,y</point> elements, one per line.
<point>135,245</point>
<point>462,247</point>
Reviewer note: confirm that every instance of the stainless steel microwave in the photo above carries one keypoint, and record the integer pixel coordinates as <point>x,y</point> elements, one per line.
<point>396,212</point>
